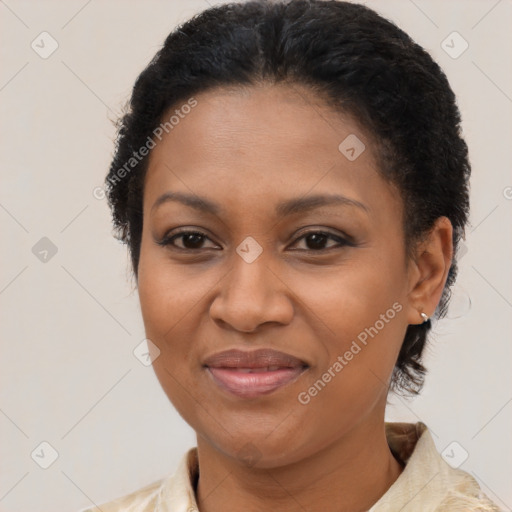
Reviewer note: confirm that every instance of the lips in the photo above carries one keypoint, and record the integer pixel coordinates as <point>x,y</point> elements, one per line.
<point>261,358</point>
<point>254,370</point>
<point>255,373</point>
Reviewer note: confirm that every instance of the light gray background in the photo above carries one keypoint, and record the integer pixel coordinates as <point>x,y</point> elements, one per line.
<point>70,324</point>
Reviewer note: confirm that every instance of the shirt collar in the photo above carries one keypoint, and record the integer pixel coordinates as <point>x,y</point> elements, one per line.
<point>426,483</point>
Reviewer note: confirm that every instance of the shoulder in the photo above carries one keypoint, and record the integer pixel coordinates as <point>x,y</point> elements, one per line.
<point>428,482</point>
<point>142,500</point>
<point>467,496</point>
<point>176,490</point>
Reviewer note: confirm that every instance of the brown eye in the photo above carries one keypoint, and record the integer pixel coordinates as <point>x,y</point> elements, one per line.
<point>318,240</point>
<point>190,240</point>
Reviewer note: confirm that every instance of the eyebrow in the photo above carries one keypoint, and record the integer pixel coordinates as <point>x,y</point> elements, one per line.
<point>301,204</point>
<point>199,203</point>
<point>284,209</point>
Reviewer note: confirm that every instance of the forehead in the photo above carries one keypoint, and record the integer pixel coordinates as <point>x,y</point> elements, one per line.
<point>269,119</point>
<point>261,141</point>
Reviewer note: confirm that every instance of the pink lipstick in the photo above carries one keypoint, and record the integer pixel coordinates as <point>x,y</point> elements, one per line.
<point>255,373</point>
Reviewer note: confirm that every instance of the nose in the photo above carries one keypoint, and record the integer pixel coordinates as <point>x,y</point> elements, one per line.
<point>251,294</point>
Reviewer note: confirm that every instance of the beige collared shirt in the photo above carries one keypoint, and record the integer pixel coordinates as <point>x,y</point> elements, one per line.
<point>427,483</point>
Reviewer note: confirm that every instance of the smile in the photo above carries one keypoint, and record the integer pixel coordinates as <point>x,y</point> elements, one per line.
<point>254,382</point>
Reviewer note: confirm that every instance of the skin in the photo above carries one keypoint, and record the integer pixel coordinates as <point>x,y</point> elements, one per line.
<point>248,150</point>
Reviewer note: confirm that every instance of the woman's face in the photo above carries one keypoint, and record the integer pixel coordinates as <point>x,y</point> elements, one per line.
<point>298,248</point>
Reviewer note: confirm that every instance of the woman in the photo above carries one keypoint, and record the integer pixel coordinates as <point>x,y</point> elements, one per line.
<point>292,185</point>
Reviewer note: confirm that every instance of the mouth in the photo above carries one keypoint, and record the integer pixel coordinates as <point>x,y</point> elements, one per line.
<point>253,374</point>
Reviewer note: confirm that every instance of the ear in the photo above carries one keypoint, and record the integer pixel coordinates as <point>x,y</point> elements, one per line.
<point>428,271</point>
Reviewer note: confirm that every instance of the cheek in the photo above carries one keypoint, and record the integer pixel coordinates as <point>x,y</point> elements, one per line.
<point>353,297</point>
<point>167,293</point>
<point>359,312</point>
<point>363,340</point>
<point>167,300</point>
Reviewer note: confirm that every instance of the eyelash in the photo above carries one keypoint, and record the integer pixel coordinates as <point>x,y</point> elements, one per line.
<point>167,241</point>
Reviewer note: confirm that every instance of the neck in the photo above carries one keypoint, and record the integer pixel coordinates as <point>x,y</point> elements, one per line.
<point>350,474</point>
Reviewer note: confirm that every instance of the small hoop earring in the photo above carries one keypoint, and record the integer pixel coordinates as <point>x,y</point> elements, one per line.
<point>424,316</point>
